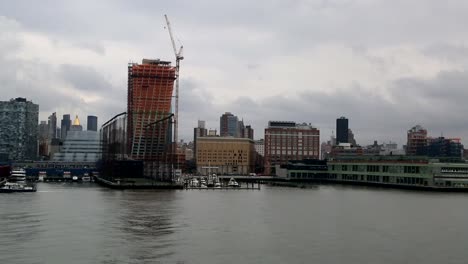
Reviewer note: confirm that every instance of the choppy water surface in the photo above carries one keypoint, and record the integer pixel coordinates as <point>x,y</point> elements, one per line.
<point>84,223</point>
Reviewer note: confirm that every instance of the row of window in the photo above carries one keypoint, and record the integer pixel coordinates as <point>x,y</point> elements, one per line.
<point>384,179</point>
<point>376,168</point>
<point>310,175</point>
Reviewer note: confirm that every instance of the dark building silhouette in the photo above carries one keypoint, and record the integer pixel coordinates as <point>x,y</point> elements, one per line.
<point>442,147</point>
<point>65,126</point>
<point>342,130</point>
<point>92,123</point>
<point>52,123</point>
<point>229,125</point>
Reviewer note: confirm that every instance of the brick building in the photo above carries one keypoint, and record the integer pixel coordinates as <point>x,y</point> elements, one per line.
<point>285,140</point>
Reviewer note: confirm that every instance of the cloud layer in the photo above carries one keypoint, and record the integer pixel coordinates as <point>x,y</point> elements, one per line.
<point>386,65</point>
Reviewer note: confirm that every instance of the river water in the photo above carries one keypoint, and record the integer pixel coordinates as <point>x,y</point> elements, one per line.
<point>85,223</point>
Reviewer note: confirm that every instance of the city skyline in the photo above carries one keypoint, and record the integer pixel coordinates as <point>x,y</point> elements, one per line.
<point>384,75</point>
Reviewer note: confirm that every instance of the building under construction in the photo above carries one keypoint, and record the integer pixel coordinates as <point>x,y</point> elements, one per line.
<point>141,138</point>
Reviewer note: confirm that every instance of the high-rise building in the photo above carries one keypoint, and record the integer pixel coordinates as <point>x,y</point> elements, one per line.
<point>260,147</point>
<point>199,131</point>
<point>92,123</point>
<point>65,125</point>
<point>229,125</point>
<point>351,139</point>
<point>286,140</point>
<point>341,130</point>
<point>18,129</point>
<point>417,140</point>
<point>150,89</point>
<point>248,132</point>
<point>52,122</point>
<point>201,123</point>
<point>43,130</point>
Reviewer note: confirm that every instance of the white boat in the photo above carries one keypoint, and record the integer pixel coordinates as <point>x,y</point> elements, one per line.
<point>217,185</point>
<point>203,182</point>
<point>42,175</point>
<point>194,182</point>
<point>74,178</point>
<point>86,178</point>
<point>17,187</point>
<point>18,175</point>
<point>233,183</point>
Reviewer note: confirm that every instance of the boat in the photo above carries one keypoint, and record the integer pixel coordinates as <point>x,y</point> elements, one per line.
<point>18,175</point>
<point>66,175</point>
<point>42,175</point>
<point>86,178</point>
<point>203,182</point>
<point>217,185</point>
<point>75,178</point>
<point>194,182</point>
<point>17,187</point>
<point>232,183</point>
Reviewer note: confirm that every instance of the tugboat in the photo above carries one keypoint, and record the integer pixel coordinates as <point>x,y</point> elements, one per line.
<point>17,187</point>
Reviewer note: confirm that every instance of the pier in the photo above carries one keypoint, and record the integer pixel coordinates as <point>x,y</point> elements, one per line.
<point>137,183</point>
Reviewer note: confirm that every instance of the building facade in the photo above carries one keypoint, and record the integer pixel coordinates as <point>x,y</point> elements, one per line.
<point>91,125</point>
<point>65,125</point>
<point>416,140</point>
<point>260,147</point>
<point>150,89</point>
<point>199,131</point>
<point>285,140</point>
<point>342,130</point>
<point>19,120</point>
<point>225,155</point>
<point>248,132</point>
<point>52,123</point>
<point>79,146</point>
<point>229,125</point>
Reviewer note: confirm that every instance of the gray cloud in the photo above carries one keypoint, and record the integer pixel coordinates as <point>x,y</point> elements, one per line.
<point>234,48</point>
<point>83,78</point>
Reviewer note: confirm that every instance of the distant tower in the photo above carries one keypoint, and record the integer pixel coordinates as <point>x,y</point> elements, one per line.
<point>92,123</point>
<point>341,130</point>
<point>65,126</point>
<point>76,126</point>
<point>52,122</point>
<point>229,125</point>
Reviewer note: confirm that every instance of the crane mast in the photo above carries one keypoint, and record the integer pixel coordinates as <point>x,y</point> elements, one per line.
<point>179,57</point>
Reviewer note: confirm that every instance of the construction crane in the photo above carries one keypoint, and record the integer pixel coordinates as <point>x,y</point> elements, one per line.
<point>179,57</point>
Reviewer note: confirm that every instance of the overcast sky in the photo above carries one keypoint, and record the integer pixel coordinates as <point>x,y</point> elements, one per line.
<point>386,65</point>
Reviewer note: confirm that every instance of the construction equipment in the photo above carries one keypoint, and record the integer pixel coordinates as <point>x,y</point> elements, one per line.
<point>179,57</point>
